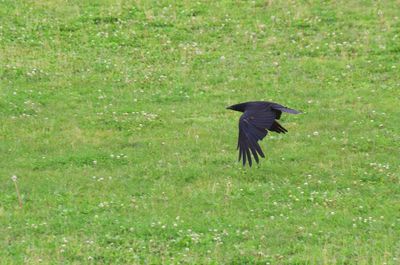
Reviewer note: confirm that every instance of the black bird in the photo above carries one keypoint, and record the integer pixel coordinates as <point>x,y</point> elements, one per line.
<point>257,119</point>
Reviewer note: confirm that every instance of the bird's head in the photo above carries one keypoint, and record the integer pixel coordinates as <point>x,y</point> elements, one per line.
<point>238,107</point>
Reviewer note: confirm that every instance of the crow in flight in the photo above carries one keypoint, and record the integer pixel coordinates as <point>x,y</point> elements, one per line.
<point>257,119</point>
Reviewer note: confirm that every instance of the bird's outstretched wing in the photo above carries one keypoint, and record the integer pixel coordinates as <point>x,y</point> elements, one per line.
<point>278,107</point>
<point>253,125</point>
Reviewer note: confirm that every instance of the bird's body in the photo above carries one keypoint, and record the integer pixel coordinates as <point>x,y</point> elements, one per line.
<point>257,119</point>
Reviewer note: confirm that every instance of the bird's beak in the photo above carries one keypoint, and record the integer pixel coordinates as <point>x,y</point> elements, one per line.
<point>230,107</point>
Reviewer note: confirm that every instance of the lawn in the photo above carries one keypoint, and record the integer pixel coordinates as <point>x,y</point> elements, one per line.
<point>113,119</point>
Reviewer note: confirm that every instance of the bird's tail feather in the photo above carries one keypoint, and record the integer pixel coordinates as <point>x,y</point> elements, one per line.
<point>276,127</point>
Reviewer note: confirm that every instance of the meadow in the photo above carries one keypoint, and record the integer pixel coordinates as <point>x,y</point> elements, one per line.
<point>113,119</point>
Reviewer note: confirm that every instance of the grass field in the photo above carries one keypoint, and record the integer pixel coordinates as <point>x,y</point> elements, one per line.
<point>112,116</point>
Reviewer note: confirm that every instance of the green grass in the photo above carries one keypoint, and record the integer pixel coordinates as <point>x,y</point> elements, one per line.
<point>112,115</point>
